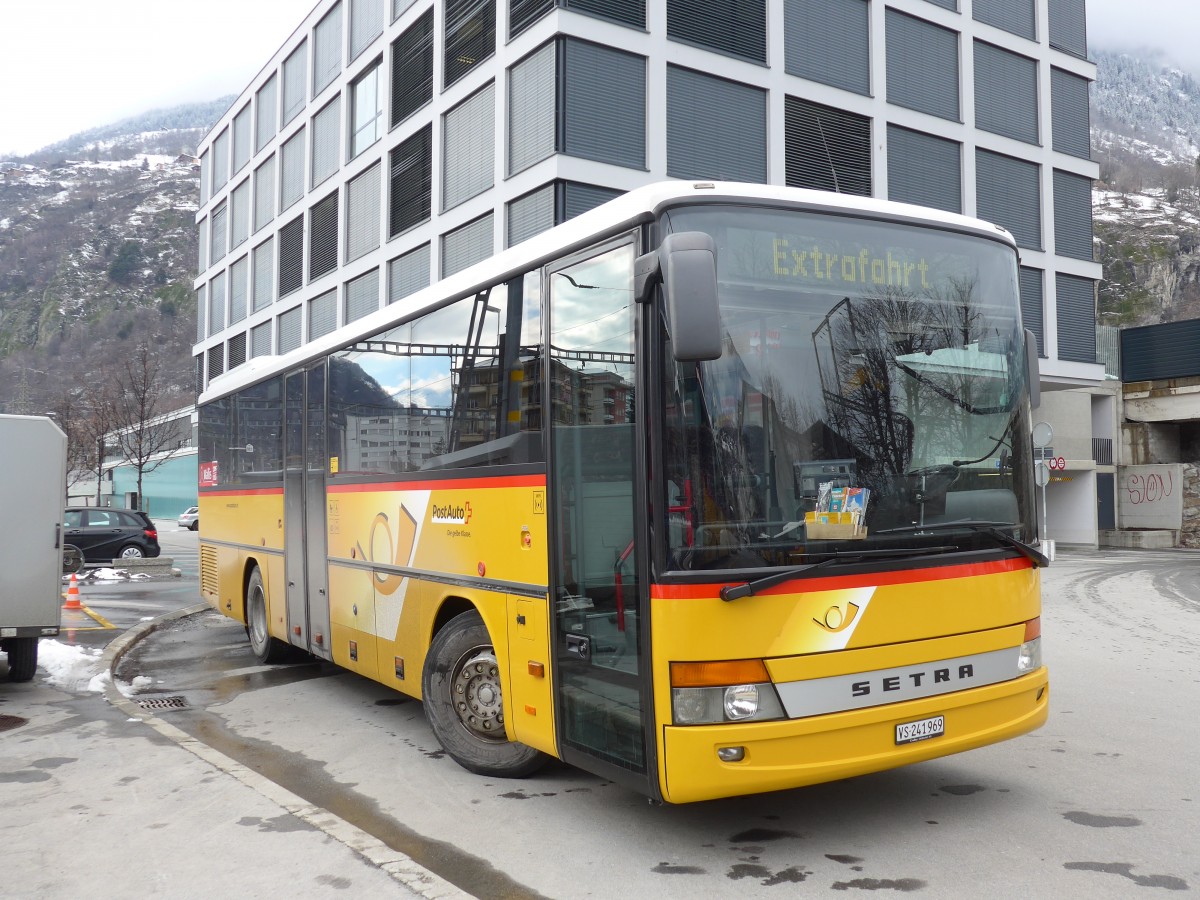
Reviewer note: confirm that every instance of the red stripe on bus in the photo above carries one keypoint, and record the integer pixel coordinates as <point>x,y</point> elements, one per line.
<point>242,492</point>
<point>833,583</point>
<point>449,484</point>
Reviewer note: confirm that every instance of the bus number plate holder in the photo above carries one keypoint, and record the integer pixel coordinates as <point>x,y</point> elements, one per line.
<point>921,730</point>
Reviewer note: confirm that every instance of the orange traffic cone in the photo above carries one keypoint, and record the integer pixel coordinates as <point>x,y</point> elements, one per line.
<point>73,595</point>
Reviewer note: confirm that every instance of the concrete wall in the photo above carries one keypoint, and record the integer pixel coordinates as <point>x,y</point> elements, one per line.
<point>1150,496</point>
<point>1070,415</point>
<point>1070,507</point>
<point>1146,443</point>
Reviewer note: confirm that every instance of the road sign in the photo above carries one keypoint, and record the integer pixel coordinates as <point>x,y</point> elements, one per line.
<point>1062,463</point>
<point>1041,474</point>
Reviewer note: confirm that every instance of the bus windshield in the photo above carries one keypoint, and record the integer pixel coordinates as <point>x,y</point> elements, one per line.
<point>871,394</point>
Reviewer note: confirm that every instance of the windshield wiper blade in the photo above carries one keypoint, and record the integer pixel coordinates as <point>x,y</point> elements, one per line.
<point>992,529</point>
<point>737,591</point>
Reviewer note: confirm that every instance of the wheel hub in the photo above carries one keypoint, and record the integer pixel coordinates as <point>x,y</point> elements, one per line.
<point>476,691</point>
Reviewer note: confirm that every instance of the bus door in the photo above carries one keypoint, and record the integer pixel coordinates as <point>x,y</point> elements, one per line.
<point>304,511</point>
<point>596,600</point>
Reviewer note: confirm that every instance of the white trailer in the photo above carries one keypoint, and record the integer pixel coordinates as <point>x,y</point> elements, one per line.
<point>33,477</point>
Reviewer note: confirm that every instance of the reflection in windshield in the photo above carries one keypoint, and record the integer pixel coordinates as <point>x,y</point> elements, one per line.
<point>856,354</point>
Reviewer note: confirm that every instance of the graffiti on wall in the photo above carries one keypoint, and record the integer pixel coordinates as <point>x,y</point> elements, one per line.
<point>1150,496</point>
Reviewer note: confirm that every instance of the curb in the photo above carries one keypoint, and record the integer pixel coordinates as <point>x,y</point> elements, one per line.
<point>399,866</point>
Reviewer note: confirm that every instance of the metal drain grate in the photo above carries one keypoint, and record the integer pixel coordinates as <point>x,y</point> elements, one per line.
<point>8,723</point>
<point>163,703</point>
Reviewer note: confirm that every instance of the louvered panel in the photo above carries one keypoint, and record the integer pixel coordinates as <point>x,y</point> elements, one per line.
<point>625,12</point>
<point>579,198</point>
<point>1006,90</point>
<point>1068,26</point>
<point>1016,16</point>
<point>531,214</point>
<point>326,134</point>
<point>1032,304</point>
<point>362,295</point>
<point>209,571</point>
<point>469,148</point>
<point>470,37</point>
<point>327,49</point>
<point>1008,192</point>
<point>715,128</point>
<point>205,176</point>
<point>399,7</point>
<point>366,24</point>
<point>736,27</point>
<point>202,245</point>
<point>1072,215</point>
<point>604,104</point>
<point>216,305</point>
<point>266,113</point>
<point>239,214</point>
<point>260,340</point>
<point>237,350</point>
<point>264,274</point>
<point>924,169</point>
<point>826,149</point>
<point>218,242</point>
<point>523,13</point>
<point>322,315</point>
<point>242,124</point>
<point>291,184</point>
<point>216,361</point>
<point>467,245</point>
<point>408,274</point>
<point>1076,309</point>
<point>410,182</point>
<point>264,193</point>
<point>1069,107</point>
<point>201,311</point>
<point>294,69</point>
<point>220,151</point>
<point>922,66</point>
<point>289,335</point>
<point>412,68</point>
<point>239,285</point>
<point>362,213</point>
<point>291,256</point>
<point>323,237</point>
<point>532,109</point>
<point>838,54</point>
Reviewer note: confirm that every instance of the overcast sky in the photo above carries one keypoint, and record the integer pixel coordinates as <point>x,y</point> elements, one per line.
<point>70,65</point>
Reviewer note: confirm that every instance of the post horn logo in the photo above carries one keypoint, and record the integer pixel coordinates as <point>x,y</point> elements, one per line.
<point>836,620</point>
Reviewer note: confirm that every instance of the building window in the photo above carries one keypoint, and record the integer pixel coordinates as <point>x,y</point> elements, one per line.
<point>326,134</point>
<point>264,271</point>
<point>291,256</point>
<point>362,295</point>
<point>1072,125</point>
<point>366,111</point>
<point>399,7</point>
<point>1032,299</point>
<point>575,198</point>
<point>238,287</point>
<point>291,182</point>
<point>408,274</point>
<point>289,337</point>
<point>1006,90</point>
<point>260,340</point>
<point>294,82</point>
<point>1068,26</point>
<point>532,109</point>
<point>531,214</point>
<point>201,309</point>
<point>467,245</point>
<point>362,214</point>
<point>715,128</point>
<point>327,49</point>
<point>322,315</point>
<point>220,152</point>
<point>604,104</point>
<point>826,149</point>
<point>412,68</point>
<point>323,237</point>
<point>735,27</point>
<point>1072,215</point>
<point>922,66</point>
<point>366,24</point>
<point>205,176</point>
<point>239,213</point>
<point>264,193</point>
<point>410,182</point>
<point>216,305</point>
<point>216,361</point>
<point>237,350</point>
<point>218,244</point>
<point>241,138</point>
<point>1018,17</point>
<point>838,53</point>
<point>924,169</point>
<point>468,147</point>
<point>946,4</point>
<point>1075,305</point>
<point>470,37</point>
<point>202,246</point>
<point>623,12</point>
<point>1008,192</point>
<point>523,13</point>
<point>265,114</point>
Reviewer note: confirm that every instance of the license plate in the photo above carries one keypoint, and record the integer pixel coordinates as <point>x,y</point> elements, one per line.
<point>923,730</point>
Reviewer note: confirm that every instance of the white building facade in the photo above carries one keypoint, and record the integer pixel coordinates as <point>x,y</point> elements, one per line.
<point>390,143</point>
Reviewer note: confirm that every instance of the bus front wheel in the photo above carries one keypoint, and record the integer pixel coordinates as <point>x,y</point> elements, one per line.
<point>266,649</point>
<point>461,693</point>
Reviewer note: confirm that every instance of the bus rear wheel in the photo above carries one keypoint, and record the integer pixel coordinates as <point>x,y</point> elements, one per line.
<point>461,693</point>
<point>266,649</point>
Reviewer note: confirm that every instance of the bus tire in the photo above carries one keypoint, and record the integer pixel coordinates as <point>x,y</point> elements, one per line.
<point>22,658</point>
<point>461,692</point>
<point>266,649</point>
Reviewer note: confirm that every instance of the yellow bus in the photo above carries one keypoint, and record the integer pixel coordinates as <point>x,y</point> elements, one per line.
<point>715,489</point>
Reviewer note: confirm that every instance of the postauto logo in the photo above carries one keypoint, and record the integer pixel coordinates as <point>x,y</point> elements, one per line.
<point>450,513</point>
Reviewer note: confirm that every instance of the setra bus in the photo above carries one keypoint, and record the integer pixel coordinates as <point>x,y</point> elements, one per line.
<point>581,499</point>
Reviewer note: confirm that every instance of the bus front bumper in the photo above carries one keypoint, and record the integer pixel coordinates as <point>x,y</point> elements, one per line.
<point>799,752</point>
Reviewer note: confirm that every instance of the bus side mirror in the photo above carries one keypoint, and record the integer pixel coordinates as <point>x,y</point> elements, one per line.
<point>1031,370</point>
<point>688,267</point>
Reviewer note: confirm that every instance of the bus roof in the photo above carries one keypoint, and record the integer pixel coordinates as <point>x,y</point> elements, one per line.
<point>637,206</point>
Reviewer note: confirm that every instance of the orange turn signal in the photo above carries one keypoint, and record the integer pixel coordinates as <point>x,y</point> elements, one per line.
<point>713,674</point>
<point>1033,628</point>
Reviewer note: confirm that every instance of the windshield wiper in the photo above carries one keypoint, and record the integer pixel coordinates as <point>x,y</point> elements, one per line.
<point>992,529</point>
<point>737,591</point>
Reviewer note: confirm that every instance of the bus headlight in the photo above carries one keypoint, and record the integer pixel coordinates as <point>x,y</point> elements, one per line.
<point>735,703</point>
<point>1030,657</point>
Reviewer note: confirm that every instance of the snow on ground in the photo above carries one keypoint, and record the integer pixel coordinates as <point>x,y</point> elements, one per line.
<point>67,664</point>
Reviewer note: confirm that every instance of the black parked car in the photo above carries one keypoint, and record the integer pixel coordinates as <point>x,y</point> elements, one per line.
<point>103,534</point>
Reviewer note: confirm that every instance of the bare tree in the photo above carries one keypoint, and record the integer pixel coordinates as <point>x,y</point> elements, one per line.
<point>137,407</point>
<point>82,414</point>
